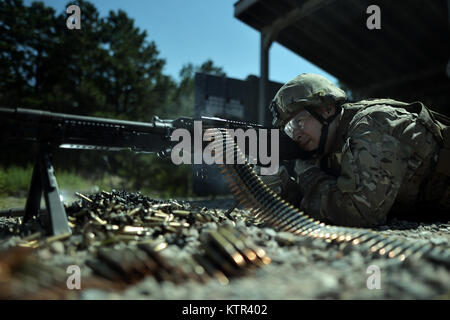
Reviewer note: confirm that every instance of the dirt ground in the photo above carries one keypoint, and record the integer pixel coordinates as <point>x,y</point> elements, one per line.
<point>300,267</point>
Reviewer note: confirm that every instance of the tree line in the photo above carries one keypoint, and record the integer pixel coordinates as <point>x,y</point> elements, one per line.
<point>109,68</point>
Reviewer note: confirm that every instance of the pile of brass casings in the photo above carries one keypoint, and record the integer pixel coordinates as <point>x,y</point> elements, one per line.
<point>125,235</point>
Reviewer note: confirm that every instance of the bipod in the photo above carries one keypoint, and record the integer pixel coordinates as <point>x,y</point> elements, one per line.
<point>44,181</point>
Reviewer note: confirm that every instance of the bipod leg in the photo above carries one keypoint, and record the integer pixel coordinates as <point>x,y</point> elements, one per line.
<point>44,181</point>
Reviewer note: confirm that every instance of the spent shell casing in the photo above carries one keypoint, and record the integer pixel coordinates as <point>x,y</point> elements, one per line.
<point>219,260</point>
<point>260,253</point>
<point>56,238</point>
<point>134,211</point>
<point>161,214</point>
<point>177,204</point>
<point>156,244</point>
<point>150,251</point>
<point>181,213</point>
<point>29,244</point>
<point>176,224</point>
<point>248,253</point>
<point>32,236</point>
<point>134,230</point>
<point>82,196</point>
<point>171,229</point>
<point>160,205</point>
<point>112,227</point>
<point>226,248</point>
<point>126,237</point>
<point>97,218</point>
<point>154,219</point>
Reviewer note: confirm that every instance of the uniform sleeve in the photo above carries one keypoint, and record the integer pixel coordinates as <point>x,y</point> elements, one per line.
<point>373,166</point>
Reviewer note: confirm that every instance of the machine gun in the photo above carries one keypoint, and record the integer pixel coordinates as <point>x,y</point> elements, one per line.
<point>51,131</point>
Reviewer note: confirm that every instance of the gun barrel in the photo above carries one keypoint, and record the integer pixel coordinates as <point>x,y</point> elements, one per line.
<point>42,116</point>
<point>83,132</point>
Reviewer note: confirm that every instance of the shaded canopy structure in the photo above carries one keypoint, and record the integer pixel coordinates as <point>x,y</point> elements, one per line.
<point>407,59</point>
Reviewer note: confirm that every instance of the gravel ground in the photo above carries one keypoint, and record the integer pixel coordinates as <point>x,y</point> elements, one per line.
<point>301,268</point>
<point>304,268</point>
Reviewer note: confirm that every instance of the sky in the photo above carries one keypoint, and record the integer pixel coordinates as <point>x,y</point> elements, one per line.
<point>193,31</point>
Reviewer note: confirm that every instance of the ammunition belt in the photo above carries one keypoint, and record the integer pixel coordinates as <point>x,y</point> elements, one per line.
<point>275,212</point>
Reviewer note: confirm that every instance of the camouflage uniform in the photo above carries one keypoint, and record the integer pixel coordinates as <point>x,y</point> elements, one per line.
<point>382,158</point>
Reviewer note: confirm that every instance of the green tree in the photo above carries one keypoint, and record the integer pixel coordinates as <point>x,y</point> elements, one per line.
<point>26,49</point>
<point>182,100</point>
<point>107,68</point>
<point>136,87</point>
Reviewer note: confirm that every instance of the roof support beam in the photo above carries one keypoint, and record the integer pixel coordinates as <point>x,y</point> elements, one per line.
<point>263,80</point>
<point>308,8</point>
<point>268,36</point>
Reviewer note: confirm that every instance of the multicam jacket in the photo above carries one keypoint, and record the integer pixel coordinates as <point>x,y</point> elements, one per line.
<point>382,161</point>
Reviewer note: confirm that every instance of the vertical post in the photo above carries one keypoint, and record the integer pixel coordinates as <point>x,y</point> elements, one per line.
<point>263,78</point>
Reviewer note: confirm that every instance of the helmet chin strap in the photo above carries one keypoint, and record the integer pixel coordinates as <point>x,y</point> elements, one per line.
<point>324,134</point>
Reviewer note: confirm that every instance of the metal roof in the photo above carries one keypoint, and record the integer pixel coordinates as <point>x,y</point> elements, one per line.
<point>407,57</point>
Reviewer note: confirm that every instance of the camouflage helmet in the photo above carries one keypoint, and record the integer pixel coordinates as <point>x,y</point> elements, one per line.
<point>306,89</point>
